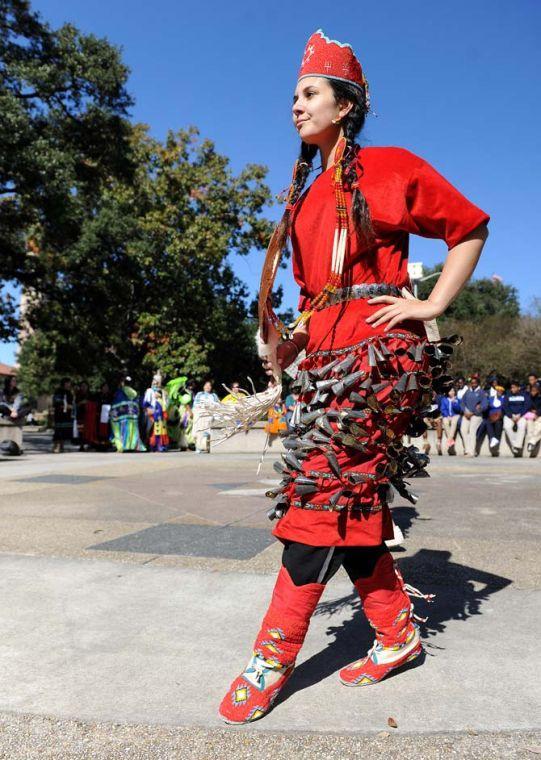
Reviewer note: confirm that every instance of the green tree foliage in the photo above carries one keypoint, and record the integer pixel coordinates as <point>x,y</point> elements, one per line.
<point>147,284</point>
<point>510,345</point>
<point>480,298</point>
<point>63,134</point>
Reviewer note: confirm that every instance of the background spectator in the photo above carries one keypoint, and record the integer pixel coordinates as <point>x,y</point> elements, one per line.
<point>202,423</point>
<point>533,421</point>
<point>473,403</point>
<point>450,415</point>
<point>64,412</point>
<point>290,402</point>
<point>492,424</point>
<point>515,405</point>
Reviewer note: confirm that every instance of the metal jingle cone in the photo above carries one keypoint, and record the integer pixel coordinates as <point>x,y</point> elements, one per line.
<point>291,460</point>
<point>334,499</point>
<point>306,386</point>
<point>377,353</point>
<point>304,490</point>
<point>394,450</point>
<point>319,398</point>
<point>419,350</point>
<point>345,364</point>
<point>400,386</point>
<point>334,414</point>
<point>320,372</point>
<point>297,381</point>
<point>358,431</point>
<point>323,424</point>
<point>378,387</point>
<point>453,340</point>
<point>353,414</point>
<point>338,388</point>
<point>296,384</point>
<point>424,380</point>
<point>279,467</point>
<point>333,463</point>
<point>307,446</point>
<point>349,380</point>
<point>296,415</point>
<point>371,356</point>
<point>308,418</point>
<point>392,468</point>
<point>349,441</point>
<point>412,383</point>
<point>304,480</point>
<point>356,398</point>
<point>373,403</point>
<point>291,443</point>
<point>324,385</point>
<point>366,384</point>
<point>319,437</point>
<point>402,489</point>
<point>445,350</point>
<point>384,350</point>
<point>274,492</point>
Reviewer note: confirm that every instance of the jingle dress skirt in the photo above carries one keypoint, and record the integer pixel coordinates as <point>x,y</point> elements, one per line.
<point>346,457</point>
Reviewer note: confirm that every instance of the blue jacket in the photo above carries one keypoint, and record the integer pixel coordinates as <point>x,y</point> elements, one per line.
<point>516,403</point>
<point>449,406</point>
<point>471,398</point>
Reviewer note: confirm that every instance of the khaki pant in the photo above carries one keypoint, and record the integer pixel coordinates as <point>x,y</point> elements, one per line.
<point>533,428</point>
<point>515,439</point>
<point>468,430</point>
<point>449,425</point>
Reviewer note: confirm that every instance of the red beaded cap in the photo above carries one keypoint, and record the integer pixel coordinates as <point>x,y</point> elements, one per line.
<point>324,57</point>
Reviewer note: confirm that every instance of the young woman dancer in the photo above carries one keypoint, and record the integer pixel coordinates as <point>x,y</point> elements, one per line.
<point>368,375</point>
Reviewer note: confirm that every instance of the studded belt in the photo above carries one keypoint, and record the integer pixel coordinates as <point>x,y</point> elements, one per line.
<point>363,290</point>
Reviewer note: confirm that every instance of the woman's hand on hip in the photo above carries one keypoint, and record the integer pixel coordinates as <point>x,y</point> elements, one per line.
<point>400,309</point>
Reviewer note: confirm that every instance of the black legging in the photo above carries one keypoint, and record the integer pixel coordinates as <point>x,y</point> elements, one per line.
<point>318,564</point>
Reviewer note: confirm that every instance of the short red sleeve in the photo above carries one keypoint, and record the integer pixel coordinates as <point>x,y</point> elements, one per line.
<point>436,209</point>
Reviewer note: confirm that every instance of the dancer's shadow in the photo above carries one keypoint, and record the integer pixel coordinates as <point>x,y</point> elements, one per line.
<point>460,591</point>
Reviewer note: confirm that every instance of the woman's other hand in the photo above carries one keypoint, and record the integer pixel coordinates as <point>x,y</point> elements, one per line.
<point>400,309</point>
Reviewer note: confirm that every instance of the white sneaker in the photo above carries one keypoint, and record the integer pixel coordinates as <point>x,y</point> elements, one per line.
<point>493,443</point>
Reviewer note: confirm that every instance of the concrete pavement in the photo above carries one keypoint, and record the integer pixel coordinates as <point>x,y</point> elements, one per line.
<point>132,589</point>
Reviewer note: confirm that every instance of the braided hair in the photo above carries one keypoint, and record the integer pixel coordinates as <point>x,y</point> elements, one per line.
<point>352,125</point>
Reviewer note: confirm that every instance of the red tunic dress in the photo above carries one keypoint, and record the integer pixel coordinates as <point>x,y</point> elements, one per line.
<point>405,195</point>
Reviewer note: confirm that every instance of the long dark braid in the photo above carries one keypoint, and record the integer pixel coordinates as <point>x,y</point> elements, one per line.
<point>304,167</point>
<point>352,124</point>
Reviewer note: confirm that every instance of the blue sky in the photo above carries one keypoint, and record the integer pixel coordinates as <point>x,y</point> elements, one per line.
<point>456,83</point>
